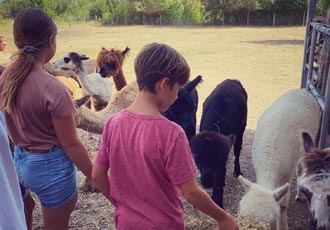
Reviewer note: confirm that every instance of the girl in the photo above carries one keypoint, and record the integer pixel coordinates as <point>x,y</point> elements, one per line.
<point>39,115</point>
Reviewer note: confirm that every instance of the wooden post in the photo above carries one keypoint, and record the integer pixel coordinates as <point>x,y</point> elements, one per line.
<point>304,18</point>
<point>274,18</point>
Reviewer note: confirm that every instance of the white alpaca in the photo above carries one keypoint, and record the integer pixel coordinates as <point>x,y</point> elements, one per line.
<point>93,84</point>
<point>89,64</point>
<point>277,146</point>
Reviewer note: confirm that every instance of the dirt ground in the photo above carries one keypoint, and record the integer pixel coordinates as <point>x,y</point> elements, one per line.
<point>94,212</point>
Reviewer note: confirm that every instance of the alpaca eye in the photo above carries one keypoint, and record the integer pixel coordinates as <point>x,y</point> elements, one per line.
<point>67,60</point>
<point>306,192</point>
<point>328,199</point>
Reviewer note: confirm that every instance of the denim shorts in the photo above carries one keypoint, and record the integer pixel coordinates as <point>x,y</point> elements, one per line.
<point>51,175</point>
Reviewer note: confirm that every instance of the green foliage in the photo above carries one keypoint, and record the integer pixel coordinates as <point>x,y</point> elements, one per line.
<point>174,12</point>
<point>167,11</point>
<point>193,11</point>
<point>323,5</point>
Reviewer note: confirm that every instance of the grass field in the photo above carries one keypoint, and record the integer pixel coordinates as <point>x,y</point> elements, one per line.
<point>266,60</point>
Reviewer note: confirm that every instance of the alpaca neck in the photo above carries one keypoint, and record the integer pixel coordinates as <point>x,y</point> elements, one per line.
<point>119,80</point>
<point>85,81</point>
<point>89,120</point>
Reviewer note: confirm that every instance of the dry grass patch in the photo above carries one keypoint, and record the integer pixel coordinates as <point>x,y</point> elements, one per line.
<point>267,60</point>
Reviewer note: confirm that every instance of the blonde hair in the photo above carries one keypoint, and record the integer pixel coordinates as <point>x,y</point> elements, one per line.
<point>32,30</point>
<point>156,61</point>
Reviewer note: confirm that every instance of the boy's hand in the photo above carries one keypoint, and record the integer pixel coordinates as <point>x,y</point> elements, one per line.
<point>228,223</point>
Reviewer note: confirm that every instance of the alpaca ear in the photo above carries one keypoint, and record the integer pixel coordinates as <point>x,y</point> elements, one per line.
<point>245,182</point>
<point>83,57</point>
<point>281,192</point>
<point>308,142</point>
<point>126,51</point>
<point>192,84</point>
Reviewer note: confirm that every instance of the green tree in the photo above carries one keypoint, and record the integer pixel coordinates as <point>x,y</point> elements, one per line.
<point>174,11</point>
<point>248,6</point>
<point>98,8</point>
<point>217,9</point>
<point>323,5</point>
<point>193,11</point>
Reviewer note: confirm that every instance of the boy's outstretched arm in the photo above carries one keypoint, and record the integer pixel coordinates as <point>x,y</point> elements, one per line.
<point>202,201</point>
<point>101,181</point>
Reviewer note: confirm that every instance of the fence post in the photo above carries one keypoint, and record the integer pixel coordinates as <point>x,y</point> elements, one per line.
<point>310,14</point>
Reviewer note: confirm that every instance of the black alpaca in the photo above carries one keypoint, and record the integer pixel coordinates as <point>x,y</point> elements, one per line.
<point>225,113</point>
<point>183,110</point>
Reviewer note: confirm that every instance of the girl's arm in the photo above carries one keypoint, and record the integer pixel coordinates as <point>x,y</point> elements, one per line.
<point>202,201</point>
<point>66,132</point>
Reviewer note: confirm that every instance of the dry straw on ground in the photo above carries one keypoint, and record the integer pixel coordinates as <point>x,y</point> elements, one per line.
<point>267,60</point>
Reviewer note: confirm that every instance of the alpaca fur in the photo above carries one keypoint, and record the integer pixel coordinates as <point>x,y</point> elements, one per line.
<point>63,73</point>
<point>225,111</point>
<point>93,84</point>
<point>222,125</point>
<point>183,110</point>
<point>94,121</point>
<point>265,197</point>
<point>313,180</point>
<point>90,65</point>
<point>210,150</point>
<point>276,148</point>
<point>110,63</point>
<point>72,85</point>
<point>68,78</point>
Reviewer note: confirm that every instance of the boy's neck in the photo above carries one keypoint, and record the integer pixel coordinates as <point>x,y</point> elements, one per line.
<point>145,103</point>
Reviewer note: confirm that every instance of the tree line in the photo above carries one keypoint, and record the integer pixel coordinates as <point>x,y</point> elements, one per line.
<point>171,12</point>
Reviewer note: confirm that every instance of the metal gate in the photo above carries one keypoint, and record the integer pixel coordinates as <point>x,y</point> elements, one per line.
<point>315,69</point>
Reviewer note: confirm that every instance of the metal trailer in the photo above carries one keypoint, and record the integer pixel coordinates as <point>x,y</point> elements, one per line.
<point>316,32</point>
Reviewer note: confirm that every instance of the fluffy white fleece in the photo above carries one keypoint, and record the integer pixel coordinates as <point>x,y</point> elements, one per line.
<point>276,148</point>
<point>259,203</point>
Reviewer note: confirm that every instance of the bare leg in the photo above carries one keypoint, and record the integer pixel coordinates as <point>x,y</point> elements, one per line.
<point>58,218</point>
<point>28,210</point>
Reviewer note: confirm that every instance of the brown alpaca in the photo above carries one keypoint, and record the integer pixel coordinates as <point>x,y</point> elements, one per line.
<point>110,63</point>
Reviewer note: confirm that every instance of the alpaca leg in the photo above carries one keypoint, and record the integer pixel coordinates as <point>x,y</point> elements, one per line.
<point>217,196</point>
<point>237,151</point>
<point>282,220</point>
<point>218,185</point>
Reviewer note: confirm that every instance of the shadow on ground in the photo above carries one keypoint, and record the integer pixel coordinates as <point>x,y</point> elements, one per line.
<point>277,42</point>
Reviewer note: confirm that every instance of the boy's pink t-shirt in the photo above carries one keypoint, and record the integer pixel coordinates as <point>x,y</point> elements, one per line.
<point>148,157</point>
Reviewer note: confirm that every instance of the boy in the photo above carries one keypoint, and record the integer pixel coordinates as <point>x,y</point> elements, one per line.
<point>147,156</point>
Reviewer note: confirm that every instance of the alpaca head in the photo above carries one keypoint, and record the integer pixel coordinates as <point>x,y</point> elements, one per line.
<point>70,61</point>
<point>313,172</point>
<point>260,203</point>
<point>110,61</point>
<point>210,151</point>
<point>183,110</point>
